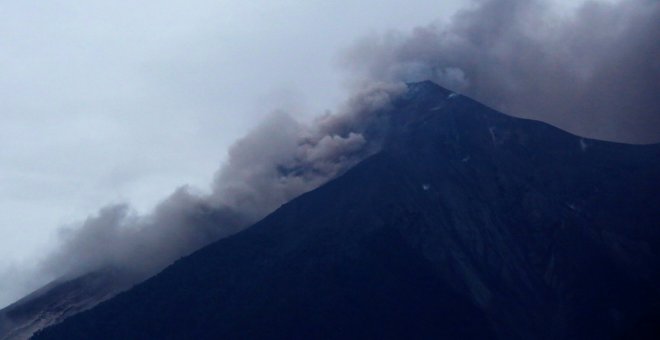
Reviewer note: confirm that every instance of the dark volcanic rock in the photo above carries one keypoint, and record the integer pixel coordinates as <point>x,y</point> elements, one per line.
<point>468,224</point>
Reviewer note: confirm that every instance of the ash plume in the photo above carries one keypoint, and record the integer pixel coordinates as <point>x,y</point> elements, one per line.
<point>594,72</point>
<point>280,159</point>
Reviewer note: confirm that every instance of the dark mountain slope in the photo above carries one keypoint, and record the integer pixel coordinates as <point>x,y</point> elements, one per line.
<point>468,224</point>
<point>57,301</point>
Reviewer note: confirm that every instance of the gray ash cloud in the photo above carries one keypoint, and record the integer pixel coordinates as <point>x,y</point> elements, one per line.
<point>279,160</point>
<point>594,72</point>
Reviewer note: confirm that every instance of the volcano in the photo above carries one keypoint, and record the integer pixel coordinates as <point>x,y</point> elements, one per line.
<point>467,224</point>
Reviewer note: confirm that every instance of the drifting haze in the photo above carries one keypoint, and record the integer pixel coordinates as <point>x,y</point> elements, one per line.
<point>592,71</point>
<point>279,160</point>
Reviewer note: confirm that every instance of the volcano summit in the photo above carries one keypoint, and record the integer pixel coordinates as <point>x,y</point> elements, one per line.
<point>466,224</point>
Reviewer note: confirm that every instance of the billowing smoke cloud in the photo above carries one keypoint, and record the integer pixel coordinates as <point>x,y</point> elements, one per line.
<point>282,158</point>
<point>595,72</point>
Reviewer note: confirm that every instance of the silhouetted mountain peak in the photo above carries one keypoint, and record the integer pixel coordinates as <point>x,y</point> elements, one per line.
<point>468,223</point>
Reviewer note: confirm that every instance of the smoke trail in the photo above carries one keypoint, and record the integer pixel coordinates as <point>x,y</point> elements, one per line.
<point>282,158</point>
<point>595,72</point>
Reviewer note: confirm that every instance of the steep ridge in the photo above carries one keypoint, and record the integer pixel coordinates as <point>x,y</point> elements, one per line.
<point>57,301</point>
<point>75,292</point>
<point>468,224</point>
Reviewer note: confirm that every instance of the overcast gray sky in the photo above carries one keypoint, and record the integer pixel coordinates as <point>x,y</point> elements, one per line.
<point>111,101</point>
<point>122,101</point>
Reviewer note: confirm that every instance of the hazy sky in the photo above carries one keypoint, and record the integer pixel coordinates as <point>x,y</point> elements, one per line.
<point>121,101</point>
<point>111,101</point>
